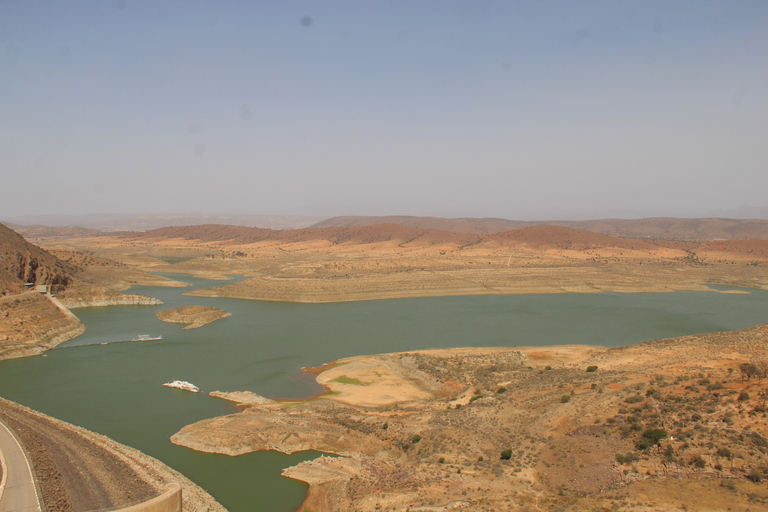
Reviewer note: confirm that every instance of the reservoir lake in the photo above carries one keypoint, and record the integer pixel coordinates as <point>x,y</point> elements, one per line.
<point>117,390</point>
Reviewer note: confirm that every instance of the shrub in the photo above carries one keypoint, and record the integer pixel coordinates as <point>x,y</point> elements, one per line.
<point>743,396</point>
<point>565,399</point>
<point>506,454</point>
<point>476,397</point>
<point>633,399</point>
<point>620,458</point>
<point>723,452</point>
<point>501,390</point>
<point>416,438</point>
<point>698,462</point>
<point>547,367</point>
<point>385,426</point>
<point>480,459</point>
<point>591,368</point>
<point>441,460</point>
<point>754,476</point>
<point>651,437</point>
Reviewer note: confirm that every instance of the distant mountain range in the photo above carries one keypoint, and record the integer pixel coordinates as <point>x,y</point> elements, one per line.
<point>658,228</point>
<point>134,222</point>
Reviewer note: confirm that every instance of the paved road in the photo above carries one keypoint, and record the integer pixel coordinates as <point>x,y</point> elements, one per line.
<point>18,493</point>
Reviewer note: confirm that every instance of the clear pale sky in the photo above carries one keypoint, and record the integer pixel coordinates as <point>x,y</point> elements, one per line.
<point>522,110</point>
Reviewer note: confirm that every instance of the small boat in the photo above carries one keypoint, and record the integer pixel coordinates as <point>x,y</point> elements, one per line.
<point>146,337</point>
<point>183,385</point>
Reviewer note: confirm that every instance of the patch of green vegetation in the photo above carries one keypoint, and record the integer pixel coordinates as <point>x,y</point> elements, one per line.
<point>172,260</point>
<point>348,380</point>
<point>651,437</point>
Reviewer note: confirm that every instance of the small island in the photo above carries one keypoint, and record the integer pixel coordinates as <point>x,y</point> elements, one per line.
<point>195,316</point>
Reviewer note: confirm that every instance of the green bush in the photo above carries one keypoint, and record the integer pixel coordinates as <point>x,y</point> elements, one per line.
<point>620,458</point>
<point>591,368</point>
<point>501,390</point>
<point>506,454</point>
<point>565,399</point>
<point>651,437</point>
<point>441,460</point>
<point>743,396</point>
<point>416,438</point>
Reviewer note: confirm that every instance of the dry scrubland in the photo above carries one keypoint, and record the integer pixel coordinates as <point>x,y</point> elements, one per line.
<point>545,428</point>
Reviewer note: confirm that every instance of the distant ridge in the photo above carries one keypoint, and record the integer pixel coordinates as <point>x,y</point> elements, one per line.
<point>656,228</point>
<point>543,237</point>
<point>136,222</point>
<point>357,235</point>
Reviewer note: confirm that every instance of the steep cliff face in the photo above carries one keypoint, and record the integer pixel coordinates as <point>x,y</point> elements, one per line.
<point>22,263</point>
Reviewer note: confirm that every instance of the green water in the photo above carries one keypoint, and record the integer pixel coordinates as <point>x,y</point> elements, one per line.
<point>117,389</point>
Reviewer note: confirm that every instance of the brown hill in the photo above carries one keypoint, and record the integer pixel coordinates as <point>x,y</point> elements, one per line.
<point>40,231</point>
<point>540,237</point>
<point>749,249</point>
<point>557,237</point>
<point>336,235</point>
<point>659,228</point>
<point>461,225</point>
<point>22,263</point>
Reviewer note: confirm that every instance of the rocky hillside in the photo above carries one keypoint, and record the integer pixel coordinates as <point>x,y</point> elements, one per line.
<point>22,263</point>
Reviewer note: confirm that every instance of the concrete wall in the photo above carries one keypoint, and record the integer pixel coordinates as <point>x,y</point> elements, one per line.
<point>169,501</point>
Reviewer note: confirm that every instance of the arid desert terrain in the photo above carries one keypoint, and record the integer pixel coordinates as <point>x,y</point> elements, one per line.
<point>675,424</point>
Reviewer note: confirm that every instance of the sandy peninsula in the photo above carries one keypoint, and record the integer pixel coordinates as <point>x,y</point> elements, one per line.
<point>193,316</point>
<point>571,427</point>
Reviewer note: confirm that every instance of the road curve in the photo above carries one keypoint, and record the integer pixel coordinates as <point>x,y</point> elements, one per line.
<point>18,492</point>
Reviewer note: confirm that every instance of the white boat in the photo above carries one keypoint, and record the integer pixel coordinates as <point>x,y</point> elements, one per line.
<point>184,385</point>
<point>146,337</point>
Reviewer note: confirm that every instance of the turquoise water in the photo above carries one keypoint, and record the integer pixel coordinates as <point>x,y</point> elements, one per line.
<point>117,389</point>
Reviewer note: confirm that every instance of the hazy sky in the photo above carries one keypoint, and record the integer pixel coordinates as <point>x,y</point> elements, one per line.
<point>524,110</point>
